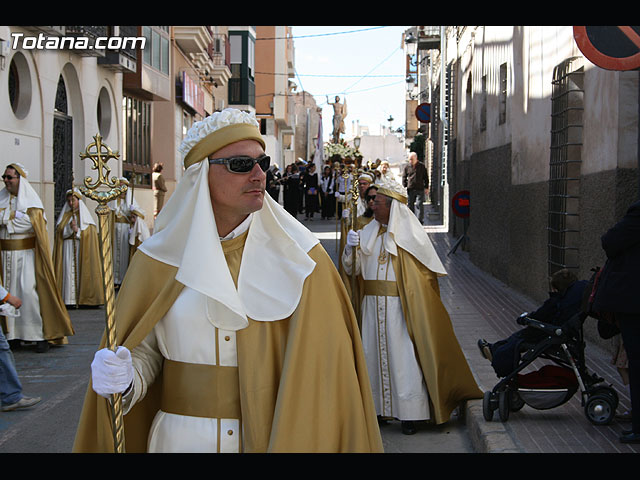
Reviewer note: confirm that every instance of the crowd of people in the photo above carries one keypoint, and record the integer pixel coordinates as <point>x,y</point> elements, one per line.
<point>307,191</point>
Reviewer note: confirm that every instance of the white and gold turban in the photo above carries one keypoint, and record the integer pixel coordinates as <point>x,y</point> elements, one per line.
<point>216,131</point>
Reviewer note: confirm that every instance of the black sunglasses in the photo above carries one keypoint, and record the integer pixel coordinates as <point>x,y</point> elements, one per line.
<point>242,163</point>
<point>8,177</point>
<point>370,197</point>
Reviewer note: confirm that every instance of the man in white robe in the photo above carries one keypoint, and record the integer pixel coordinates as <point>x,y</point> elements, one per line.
<point>399,301</point>
<point>27,268</point>
<point>217,311</point>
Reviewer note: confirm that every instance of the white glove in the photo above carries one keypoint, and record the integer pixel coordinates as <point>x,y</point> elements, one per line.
<point>353,238</point>
<point>346,212</point>
<point>111,372</point>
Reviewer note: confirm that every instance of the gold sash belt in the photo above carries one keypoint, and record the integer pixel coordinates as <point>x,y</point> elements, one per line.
<point>122,219</point>
<point>381,288</point>
<point>18,243</point>
<point>198,390</point>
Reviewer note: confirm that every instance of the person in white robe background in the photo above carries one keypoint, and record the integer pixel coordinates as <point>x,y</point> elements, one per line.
<point>27,267</point>
<point>407,335</point>
<point>76,254</point>
<point>129,230</point>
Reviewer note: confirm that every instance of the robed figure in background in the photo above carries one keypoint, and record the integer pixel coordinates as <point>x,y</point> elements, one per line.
<point>76,254</point>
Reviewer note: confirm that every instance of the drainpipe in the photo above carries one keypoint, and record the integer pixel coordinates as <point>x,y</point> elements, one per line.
<point>445,125</point>
<point>443,84</point>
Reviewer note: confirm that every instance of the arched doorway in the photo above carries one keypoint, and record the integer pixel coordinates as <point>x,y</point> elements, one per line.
<point>62,147</point>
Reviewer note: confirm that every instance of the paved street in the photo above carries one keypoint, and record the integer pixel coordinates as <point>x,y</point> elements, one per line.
<point>60,377</point>
<point>479,305</point>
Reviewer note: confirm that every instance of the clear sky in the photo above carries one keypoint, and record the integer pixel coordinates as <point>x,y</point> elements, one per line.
<point>363,64</point>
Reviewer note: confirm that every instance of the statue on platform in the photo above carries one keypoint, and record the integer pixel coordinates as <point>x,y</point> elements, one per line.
<point>339,114</point>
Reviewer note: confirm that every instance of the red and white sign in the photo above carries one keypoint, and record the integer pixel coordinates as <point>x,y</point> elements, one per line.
<point>610,47</point>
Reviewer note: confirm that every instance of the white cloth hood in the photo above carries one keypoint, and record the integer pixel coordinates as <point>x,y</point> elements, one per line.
<point>274,263</point>
<point>405,231</point>
<point>26,198</point>
<point>85,216</point>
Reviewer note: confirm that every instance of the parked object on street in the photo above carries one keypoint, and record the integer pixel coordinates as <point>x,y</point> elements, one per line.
<point>553,385</point>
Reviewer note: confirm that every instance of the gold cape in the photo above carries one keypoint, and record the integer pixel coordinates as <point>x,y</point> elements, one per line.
<point>56,324</point>
<point>90,286</point>
<point>446,372</point>
<point>304,386</point>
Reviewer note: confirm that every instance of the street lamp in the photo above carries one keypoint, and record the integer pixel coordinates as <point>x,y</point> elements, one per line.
<point>411,84</point>
<point>411,43</point>
<point>356,142</point>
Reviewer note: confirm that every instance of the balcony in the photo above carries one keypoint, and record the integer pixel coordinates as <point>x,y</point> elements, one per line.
<point>219,52</point>
<point>124,59</point>
<point>49,31</point>
<point>429,37</point>
<point>91,33</point>
<point>192,39</point>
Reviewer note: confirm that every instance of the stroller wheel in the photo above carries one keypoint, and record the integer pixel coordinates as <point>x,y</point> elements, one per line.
<point>504,402</point>
<point>600,409</point>
<point>606,390</point>
<point>487,406</point>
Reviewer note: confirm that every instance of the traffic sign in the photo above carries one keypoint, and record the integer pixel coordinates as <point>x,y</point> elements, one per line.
<point>610,47</point>
<point>460,204</point>
<point>423,112</point>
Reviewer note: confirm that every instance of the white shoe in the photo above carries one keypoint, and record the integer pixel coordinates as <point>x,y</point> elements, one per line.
<point>24,402</point>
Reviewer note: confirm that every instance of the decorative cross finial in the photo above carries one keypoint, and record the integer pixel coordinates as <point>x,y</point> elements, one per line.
<point>100,154</point>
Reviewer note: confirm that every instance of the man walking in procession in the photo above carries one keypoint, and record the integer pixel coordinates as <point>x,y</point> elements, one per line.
<point>224,345</point>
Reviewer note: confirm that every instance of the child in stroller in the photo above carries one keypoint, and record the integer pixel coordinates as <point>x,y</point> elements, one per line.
<point>554,332</point>
<point>563,303</point>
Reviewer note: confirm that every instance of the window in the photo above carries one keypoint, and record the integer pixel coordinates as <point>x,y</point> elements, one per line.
<point>19,86</point>
<point>565,166</point>
<point>156,50</point>
<point>251,56</point>
<point>241,85</point>
<point>503,94</point>
<point>103,112</point>
<point>483,106</point>
<point>136,132</point>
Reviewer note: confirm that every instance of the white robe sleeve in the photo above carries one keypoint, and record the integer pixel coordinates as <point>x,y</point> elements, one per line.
<point>147,363</point>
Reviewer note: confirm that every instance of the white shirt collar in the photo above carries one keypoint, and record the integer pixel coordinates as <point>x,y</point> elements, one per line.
<point>239,230</point>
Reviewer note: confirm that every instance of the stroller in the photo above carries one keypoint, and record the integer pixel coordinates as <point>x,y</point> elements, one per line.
<point>552,385</point>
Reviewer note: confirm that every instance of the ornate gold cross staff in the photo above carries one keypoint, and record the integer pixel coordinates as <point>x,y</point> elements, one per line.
<point>344,175</point>
<point>100,153</point>
<point>354,220</point>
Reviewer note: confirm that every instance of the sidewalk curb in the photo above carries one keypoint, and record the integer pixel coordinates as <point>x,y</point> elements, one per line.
<point>487,437</point>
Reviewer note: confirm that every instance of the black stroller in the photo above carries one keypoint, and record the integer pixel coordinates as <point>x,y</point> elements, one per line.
<point>553,385</point>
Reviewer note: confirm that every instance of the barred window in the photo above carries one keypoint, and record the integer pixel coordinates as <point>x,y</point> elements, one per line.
<point>136,156</point>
